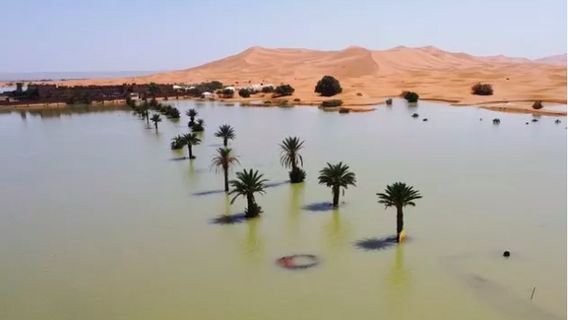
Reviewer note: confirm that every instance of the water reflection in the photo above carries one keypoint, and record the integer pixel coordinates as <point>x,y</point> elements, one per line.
<point>253,245</point>
<point>295,208</point>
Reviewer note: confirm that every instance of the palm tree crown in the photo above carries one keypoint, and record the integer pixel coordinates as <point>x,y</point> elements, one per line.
<point>290,155</point>
<point>224,158</point>
<point>156,118</point>
<point>248,183</point>
<point>191,113</point>
<point>337,175</point>
<point>226,132</point>
<point>191,139</point>
<point>399,195</point>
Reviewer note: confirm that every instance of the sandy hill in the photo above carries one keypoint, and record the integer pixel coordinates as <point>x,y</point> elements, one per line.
<point>367,76</point>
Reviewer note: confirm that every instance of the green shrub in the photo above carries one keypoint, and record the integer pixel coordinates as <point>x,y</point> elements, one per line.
<point>227,93</point>
<point>328,86</point>
<point>410,96</point>
<point>245,93</point>
<point>284,90</point>
<point>482,89</point>
<point>331,103</point>
<point>537,105</point>
<point>297,175</point>
<point>267,89</point>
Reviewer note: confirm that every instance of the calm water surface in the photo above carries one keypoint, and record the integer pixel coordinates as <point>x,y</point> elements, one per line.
<point>99,220</point>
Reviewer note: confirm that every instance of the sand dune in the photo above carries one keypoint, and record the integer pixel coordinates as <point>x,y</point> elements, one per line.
<point>369,76</point>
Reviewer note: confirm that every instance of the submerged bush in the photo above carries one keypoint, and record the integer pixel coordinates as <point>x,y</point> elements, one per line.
<point>198,126</point>
<point>284,90</point>
<point>267,89</point>
<point>410,96</point>
<point>482,89</point>
<point>297,175</point>
<point>537,105</point>
<point>328,86</point>
<point>388,102</point>
<point>331,103</point>
<point>245,93</point>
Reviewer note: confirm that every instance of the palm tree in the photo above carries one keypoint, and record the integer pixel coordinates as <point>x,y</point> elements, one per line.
<point>191,113</point>
<point>177,143</point>
<point>399,195</point>
<point>336,176</point>
<point>226,132</point>
<point>290,157</point>
<point>224,159</point>
<point>156,118</point>
<point>246,185</point>
<point>191,139</point>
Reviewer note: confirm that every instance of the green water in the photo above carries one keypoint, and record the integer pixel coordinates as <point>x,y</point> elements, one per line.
<point>99,221</point>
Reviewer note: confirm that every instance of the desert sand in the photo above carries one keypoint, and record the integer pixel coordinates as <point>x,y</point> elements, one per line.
<point>369,76</point>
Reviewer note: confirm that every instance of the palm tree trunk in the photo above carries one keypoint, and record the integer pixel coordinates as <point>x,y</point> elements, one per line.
<point>226,173</point>
<point>190,151</point>
<point>251,207</point>
<point>335,191</point>
<point>399,222</point>
<point>225,142</point>
<point>156,125</point>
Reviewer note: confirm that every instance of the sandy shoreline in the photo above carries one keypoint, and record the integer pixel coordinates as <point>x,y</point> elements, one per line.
<point>368,77</point>
<point>517,107</point>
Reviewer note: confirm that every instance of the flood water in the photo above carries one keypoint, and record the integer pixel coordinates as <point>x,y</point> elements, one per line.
<point>101,220</point>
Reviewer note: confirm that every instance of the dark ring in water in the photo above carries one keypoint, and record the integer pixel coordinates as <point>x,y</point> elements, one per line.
<point>289,262</point>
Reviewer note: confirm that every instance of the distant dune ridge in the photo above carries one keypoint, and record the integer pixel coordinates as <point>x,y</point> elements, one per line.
<point>368,76</point>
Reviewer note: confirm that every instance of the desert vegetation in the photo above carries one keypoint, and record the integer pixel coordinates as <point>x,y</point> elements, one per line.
<point>328,86</point>
<point>331,103</point>
<point>291,158</point>
<point>410,96</point>
<point>482,89</point>
<point>399,195</point>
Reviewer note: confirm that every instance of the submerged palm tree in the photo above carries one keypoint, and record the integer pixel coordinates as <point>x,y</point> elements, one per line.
<point>198,126</point>
<point>290,157</point>
<point>226,132</point>
<point>246,185</point>
<point>191,113</point>
<point>191,139</point>
<point>177,143</point>
<point>337,176</point>
<point>156,118</point>
<point>224,159</point>
<point>399,195</point>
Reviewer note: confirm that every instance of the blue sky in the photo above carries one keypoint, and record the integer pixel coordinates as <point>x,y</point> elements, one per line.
<point>104,35</point>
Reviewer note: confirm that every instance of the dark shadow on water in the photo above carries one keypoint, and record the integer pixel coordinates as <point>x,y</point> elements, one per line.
<point>320,206</point>
<point>229,219</point>
<point>179,159</point>
<point>210,192</point>
<point>377,243</point>
<point>276,184</point>
<point>206,193</point>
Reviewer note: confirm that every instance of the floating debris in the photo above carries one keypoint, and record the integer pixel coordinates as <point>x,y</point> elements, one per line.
<point>534,120</point>
<point>415,115</point>
<point>425,119</point>
<point>506,254</point>
<point>496,121</point>
<point>557,121</point>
